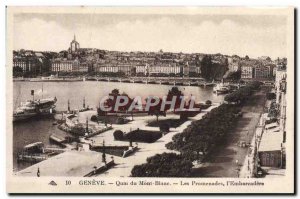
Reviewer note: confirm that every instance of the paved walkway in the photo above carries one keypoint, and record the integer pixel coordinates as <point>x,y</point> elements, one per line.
<point>79,163</point>
<point>228,158</point>
<point>125,165</point>
<point>71,163</point>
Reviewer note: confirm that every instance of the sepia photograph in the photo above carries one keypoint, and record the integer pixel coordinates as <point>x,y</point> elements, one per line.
<point>150,100</point>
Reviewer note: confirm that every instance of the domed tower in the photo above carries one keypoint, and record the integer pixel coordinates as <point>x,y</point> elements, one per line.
<point>74,45</point>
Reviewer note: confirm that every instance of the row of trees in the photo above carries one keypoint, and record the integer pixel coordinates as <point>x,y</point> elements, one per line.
<point>201,136</point>
<point>234,76</point>
<point>195,142</point>
<point>243,93</point>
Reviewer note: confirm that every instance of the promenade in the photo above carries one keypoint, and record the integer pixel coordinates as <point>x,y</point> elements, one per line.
<point>79,163</point>
<point>228,158</point>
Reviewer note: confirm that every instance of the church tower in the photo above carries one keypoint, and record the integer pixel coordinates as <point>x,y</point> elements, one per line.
<point>74,45</point>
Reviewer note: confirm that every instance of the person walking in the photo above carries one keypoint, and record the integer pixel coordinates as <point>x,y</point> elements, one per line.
<point>38,172</point>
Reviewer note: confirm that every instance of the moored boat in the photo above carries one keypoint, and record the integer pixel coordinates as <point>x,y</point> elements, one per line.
<point>221,88</point>
<point>33,108</point>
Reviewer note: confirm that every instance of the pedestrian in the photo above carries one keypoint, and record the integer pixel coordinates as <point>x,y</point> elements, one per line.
<point>38,172</point>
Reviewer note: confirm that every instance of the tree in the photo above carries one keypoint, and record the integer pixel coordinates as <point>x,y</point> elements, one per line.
<point>118,135</point>
<point>271,96</point>
<point>208,102</point>
<point>243,93</point>
<point>174,92</point>
<point>235,76</point>
<point>94,118</point>
<point>17,71</point>
<point>206,67</point>
<point>155,109</point>
<point>78,130</point>
<point>202,135</point>
<point>111,102</point>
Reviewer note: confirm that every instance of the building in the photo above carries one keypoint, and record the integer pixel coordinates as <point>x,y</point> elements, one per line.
<point>141,69</point>
<point>261,72</point>
<point>280,80</point>
<point>28,64</point>
<point>194,70</point>
<point>233,67</point>
<point>186,70</point>
<point>74,46</point>
<point>80,67</point>
<point>105,66</point>
<point>247,72</point>
<point>164,68</point>
<point>271,150</point>
<point>271,69</point>
<point>280,89</point>
<point>65,65</point>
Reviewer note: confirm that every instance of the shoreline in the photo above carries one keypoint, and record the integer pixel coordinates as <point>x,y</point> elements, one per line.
<point>123,165</point>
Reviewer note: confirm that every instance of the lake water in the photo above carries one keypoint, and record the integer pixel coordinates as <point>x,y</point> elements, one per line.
<point>39,130</point>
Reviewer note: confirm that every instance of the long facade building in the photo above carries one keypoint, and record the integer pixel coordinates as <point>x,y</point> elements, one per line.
<point>28,64</point>
<point>256,71</point>
<point>68,66</point>
<point>271,150</point>
<point>144,68</point>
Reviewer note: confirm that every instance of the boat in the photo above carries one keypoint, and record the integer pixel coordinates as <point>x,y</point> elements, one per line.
<point>24,112</point>
<point>36,152</point>
<point>32,108</point>
<point>221,88</point>
<point>36,147</point>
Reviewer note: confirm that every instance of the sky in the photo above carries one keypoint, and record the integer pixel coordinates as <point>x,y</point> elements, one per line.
<point>250,35</point>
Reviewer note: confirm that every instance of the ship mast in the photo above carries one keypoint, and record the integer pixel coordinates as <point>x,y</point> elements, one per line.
<point>87,125</point>
<point>32,93</point>
<point>83,102</point>
<point>68,105</point>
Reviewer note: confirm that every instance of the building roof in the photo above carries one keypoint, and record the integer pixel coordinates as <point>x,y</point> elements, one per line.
<point>271,141</point>
<point>38,54</point>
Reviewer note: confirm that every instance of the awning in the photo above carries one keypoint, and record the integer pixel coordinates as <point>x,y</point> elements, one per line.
<point>273,130</point>
<point>272,125</point>
<point>271,141</point>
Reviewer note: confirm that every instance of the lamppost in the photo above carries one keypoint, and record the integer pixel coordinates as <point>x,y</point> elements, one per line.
<point>103,153</point>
